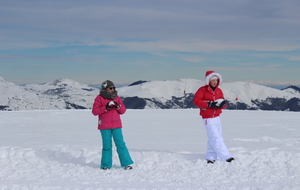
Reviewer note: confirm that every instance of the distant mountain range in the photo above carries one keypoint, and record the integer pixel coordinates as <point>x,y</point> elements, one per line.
<point>241,95</point>
<point>170,94</point>
<point>58,94</point>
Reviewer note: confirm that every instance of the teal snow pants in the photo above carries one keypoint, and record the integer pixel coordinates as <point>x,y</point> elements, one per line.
<point>124,156</point>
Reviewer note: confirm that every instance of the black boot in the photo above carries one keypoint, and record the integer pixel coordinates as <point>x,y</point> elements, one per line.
<point>128,168</point>
<point>210,161</point>
<point>229,159</point>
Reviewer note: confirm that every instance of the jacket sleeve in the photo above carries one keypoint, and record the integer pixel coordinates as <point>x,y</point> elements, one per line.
<point>98,107</point>
<point>198,99</point>
<point>122,109</point>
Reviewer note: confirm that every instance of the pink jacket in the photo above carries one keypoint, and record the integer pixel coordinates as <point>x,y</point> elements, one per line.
<point>108,119</point>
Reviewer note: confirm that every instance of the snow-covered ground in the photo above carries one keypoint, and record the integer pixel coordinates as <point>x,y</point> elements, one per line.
<point>60,149</point>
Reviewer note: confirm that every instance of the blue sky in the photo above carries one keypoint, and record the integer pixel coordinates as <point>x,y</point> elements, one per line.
<point>129,40</point>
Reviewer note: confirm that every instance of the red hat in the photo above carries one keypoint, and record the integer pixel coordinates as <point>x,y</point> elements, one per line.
<point>209,75</point>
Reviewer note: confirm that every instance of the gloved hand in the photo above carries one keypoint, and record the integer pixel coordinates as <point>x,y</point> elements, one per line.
<point>110,105</point>
<point>211,104</point>
<point>220,103</point>
<point>117,105</point>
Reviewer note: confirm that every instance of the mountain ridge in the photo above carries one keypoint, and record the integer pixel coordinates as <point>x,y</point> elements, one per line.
<point>168,94</point>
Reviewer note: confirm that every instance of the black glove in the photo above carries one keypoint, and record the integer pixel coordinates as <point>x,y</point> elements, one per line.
<point>117,105</point>
<point>110,105</point>
<point>212,104</point>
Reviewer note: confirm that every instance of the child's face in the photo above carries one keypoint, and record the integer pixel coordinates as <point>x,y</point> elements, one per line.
<point>214,82</point>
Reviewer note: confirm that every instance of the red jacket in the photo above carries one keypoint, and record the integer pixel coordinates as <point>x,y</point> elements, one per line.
<point>206,94</point>
<point>108,119</point>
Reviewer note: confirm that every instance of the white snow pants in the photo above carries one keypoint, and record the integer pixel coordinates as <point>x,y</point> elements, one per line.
<point>215,144</point>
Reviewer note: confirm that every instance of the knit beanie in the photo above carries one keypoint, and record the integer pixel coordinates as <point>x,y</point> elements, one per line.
<point>210,75</point>
<point>106,94</point>
<point>107,84</point>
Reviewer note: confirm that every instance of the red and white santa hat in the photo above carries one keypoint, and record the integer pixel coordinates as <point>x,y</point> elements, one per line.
<point>210,75</point>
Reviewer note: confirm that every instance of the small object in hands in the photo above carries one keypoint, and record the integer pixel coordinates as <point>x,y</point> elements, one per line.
<point>211,104</point>
<point>128,168</point>
<point>220,103</point>
<point>110,105</point>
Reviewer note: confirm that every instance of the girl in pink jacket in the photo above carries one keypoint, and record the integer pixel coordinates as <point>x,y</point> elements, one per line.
<point>108,106</point>
<point>210,100</point>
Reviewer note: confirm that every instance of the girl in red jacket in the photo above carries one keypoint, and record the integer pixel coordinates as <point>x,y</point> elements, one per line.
<point>210,100</point>
<point>108,106</point>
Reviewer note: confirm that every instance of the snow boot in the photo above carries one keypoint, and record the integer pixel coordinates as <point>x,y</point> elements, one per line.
<point>105,168</point>
<point>229,159</point>
<point>128,168</point>
<point>210,161</point>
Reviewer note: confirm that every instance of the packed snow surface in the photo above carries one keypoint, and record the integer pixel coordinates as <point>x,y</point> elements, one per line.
<point>47,150</point>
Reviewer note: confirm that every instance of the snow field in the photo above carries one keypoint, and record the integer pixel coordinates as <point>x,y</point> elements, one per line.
<point>61,150</point>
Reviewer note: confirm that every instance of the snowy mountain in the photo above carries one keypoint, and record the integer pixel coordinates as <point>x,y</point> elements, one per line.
<point>292,89</point>
<point>58,94</point>
<point>169,94</point>
<point>160,94</point>
<point>17,97</point>
<point>66,93</point>
<point>241,95</point>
